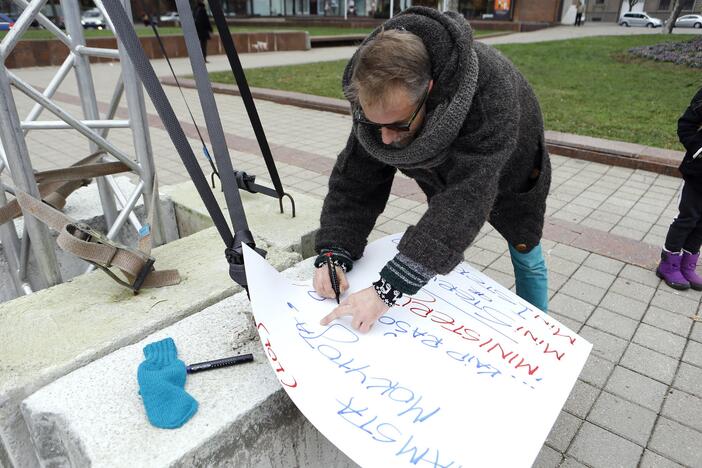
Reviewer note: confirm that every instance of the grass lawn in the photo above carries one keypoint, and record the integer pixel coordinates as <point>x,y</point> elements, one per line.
<point>586,86</point>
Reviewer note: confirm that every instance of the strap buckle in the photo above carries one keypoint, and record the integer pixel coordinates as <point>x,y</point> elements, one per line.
<point>86,233</point>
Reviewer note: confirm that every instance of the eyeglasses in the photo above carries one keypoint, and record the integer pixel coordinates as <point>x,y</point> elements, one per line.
<point>398,127</point>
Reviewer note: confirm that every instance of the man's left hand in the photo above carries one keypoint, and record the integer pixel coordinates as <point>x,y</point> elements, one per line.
<point>364,307</point>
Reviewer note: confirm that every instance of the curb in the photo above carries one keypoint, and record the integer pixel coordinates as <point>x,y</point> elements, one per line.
<point>611,152</point>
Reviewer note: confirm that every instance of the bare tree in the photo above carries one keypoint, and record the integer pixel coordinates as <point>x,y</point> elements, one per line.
<point>677,8</point>
<point>632,4</point>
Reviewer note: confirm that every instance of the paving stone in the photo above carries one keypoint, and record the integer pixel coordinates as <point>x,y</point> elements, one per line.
<point>556,280</point>
<point>560,265</point>
<point>598,447</point>
<point>677,442</point>
<point>563,431</point>
<point>650,363</point>
<point>547,458</point>
<point>640,275</point>
<point>688,378</point>
<point>675,302</point>
<point>696,334</point>
<point>602,263</point>
<point>693,353</point>
<point>594,277</point>
<point>622,417</point>
<point>570,307</point>
<point>684,408</point>
<point>608,346</point>
<point>570,253</point>
<point>596,370</point>
<point>482,257</point>
<point>637,388</point>
<point>570,462</point>
<point>653,460</point>
<point>583,291</point>
<point>623,305</point>
<point>632,289</point>
<point>660,340</point>
<point>581,399</point>
<point>615,324</point>
<point>672,322</point>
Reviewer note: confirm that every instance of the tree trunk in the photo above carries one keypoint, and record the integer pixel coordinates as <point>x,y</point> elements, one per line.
<point>677,8</point>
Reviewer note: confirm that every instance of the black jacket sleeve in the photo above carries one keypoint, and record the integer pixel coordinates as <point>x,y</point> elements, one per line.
<point>359,187</point>
<point>689,125</point>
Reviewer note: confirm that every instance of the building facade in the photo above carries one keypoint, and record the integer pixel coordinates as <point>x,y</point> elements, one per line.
<point>611,10</point>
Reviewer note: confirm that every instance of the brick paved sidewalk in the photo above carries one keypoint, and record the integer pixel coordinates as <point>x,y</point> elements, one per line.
<point>639,398</point>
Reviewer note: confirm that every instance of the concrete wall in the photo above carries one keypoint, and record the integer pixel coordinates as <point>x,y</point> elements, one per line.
<point>541,11</point>
<point>38,53</point>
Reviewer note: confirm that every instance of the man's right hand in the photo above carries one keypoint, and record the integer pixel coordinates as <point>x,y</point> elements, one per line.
<point>322,282</point>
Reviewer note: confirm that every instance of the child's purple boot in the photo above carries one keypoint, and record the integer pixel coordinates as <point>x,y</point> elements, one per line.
<point>669,270</point>
<point>688,268</point>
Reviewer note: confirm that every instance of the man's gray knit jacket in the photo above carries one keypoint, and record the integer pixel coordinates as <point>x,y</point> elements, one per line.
<point>474,158</point>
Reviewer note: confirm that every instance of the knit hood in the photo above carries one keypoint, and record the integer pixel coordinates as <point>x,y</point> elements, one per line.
<point>448,39</point>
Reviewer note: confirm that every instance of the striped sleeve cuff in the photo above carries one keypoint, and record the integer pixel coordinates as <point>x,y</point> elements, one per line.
<point>406,275</point>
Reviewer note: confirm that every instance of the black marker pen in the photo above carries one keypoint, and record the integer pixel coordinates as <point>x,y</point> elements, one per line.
<point>217,363</point>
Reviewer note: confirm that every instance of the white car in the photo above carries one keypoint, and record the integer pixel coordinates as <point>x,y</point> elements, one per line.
<point>689,21</point>
<point>640,19</point>
<point>93,18</point>
<point>170,16</point>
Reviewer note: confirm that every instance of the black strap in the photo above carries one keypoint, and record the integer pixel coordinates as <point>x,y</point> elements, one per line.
<point>226,38</point>
<point>124,29</point>
<point>175,77</point>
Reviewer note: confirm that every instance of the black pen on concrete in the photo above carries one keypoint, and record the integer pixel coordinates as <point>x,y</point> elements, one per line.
<point>333,277</point>
<point>217,363</point>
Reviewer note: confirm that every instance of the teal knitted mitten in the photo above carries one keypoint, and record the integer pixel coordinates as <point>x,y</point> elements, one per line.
<point>161,380</point>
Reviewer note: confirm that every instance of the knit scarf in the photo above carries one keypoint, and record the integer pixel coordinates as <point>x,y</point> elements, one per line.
<point>454,69</point>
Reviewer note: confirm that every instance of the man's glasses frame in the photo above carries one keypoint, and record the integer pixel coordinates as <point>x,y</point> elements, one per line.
<point>398,127</point>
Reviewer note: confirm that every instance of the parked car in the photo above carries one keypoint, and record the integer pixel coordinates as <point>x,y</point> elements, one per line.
<point>640,19</point>
<point>93,18</point>
<point>689,21</point>
<point>170,16</point>
<point>6,22</point>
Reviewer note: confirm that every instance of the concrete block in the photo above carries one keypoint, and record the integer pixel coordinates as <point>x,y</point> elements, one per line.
<point>660,340</point>
<point>608,346</point>
<point>688,378</point>
<point>650,363</point>
<point>623,418</point>
<point>563,431</point>
<point>597,447</point>
<point>615,324</point>
<point>677,442</point>
<point>547,458</point>
<point>693,353</point>
<point>581,399</point>
<point>684,408</point>
<point>56,330</point>
<point>624,305</point>
<point>570,307</point>
<point>262,214</point>
<point>675,323</point>
<point>596,370</point>
<point>84,205</point>
<point>653,460</point>
<point>95,417</point>
<point>637,388</point>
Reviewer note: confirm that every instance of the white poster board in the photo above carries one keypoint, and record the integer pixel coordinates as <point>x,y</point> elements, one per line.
<point>464,373</point>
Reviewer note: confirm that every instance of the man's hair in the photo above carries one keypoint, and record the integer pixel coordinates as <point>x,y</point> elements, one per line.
<point>392,59</point>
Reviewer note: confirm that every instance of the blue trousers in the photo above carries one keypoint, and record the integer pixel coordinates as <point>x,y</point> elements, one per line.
<point>531,276</point>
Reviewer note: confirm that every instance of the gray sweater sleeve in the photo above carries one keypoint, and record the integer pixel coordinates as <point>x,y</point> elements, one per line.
<point>359,187</point>
<point>456,214</point>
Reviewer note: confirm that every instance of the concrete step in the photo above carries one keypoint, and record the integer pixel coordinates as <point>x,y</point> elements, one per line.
<point>95,417</point>
<point>55,331</point>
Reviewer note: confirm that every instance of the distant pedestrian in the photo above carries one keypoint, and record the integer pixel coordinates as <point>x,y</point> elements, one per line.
<point>682,244</point>
<point>579,10</point>
<point>202,25</point>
